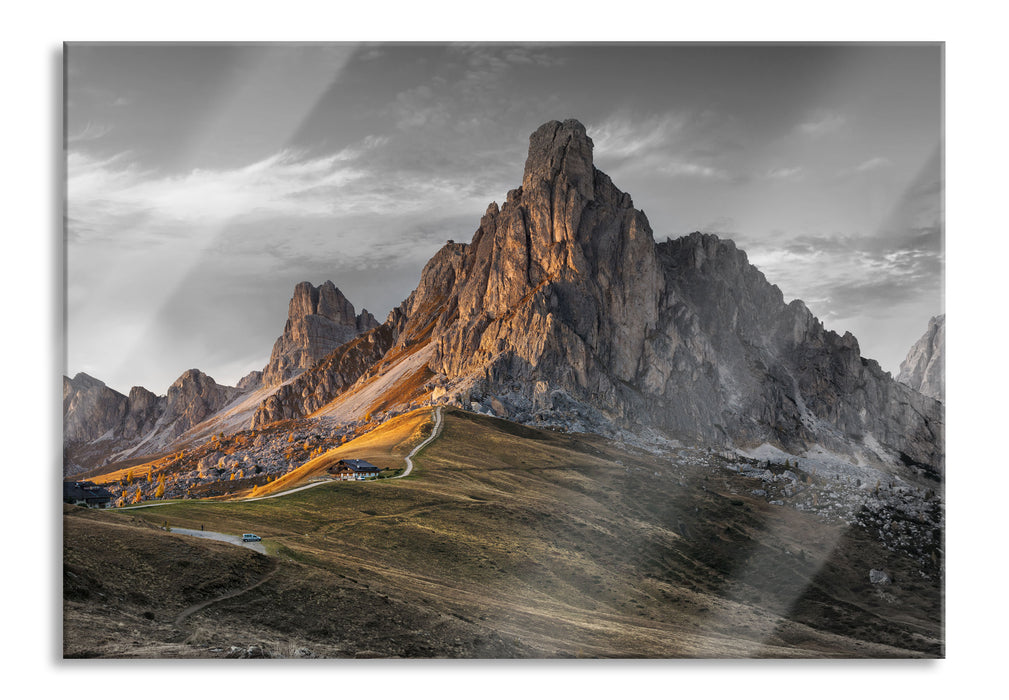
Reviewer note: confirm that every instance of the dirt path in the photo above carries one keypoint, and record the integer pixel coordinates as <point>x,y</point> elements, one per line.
<point>199,606</point>
<point>434,433</point>
<point>285,493</point>
<point>220,537</point>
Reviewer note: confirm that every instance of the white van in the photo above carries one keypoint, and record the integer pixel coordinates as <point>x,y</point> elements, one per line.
<point>249,537</point>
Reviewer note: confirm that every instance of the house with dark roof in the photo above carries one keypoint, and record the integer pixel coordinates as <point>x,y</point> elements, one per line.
<point>86,493</point>
<point>354,470</point>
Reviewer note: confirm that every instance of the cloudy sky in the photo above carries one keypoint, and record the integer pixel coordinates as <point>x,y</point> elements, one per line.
<point>204,181</point>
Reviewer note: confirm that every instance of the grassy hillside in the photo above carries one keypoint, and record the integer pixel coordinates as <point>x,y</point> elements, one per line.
<point>517,542</point>
<point>385,447</point>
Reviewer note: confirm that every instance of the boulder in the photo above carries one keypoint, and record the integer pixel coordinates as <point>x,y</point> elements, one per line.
<point>878,577</point>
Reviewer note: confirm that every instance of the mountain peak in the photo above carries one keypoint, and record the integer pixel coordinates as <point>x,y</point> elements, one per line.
<point>319,320</point>
<point>924,368</point>
<point>560,151</point>
<point>325,300</point>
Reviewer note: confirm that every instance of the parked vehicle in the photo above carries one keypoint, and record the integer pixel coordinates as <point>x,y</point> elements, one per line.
<point>249,537</point>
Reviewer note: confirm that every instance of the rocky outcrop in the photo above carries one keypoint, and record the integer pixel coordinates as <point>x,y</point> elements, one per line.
<point>191,398</point>
<point>924,368</point>
<point>99,421</point>
<point>563,310</point>
<point>318,386</point>
<point>413,321</point>
<point>563,307</point>
<point>250,382</point>
<point>320,319</point>
<point>144,410</point>
<point>90,409</point>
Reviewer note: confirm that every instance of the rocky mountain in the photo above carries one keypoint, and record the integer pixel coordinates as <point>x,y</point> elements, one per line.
<point>325,382</point>
<point>320,319</point>
<point>924,368</point>
<point>253,380</point>
<point>99,422</point>
<point>90,409</point>
<point>564,311</point>
<point>191,398</point>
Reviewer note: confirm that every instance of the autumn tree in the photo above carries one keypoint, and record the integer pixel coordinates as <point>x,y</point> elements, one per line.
<point>159,492</point>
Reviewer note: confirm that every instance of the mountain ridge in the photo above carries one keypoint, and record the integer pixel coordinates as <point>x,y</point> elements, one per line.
<point>563,311</point>
<point>101,423</point>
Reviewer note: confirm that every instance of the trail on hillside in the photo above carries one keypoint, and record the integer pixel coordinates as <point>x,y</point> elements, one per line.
<point>434,434</point>
<point>199,606</point>
<point>285,493</point>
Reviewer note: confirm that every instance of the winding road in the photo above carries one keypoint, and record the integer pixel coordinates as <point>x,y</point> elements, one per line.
<point>434,433</point>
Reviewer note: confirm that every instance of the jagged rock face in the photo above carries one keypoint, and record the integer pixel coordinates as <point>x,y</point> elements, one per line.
<point>924,368</point>
<point>318,386</point>
<point>99,421</point>
<point>250,382</point>
<point>413,322</point>
<point>564,307</point>
<point>773,373</point>
<point>563,274</point>
<point>90,409</point>
<point>191,398</point>
<point>563,302</point>
<point>145,408</point>
<point>320,319</point>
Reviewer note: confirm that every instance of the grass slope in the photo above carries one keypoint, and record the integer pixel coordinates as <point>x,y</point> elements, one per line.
<point>385,447</point>
<point>517,542</point>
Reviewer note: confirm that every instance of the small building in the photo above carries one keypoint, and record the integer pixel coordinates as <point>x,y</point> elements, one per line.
<point>86,493</point>
<point>354,470</point>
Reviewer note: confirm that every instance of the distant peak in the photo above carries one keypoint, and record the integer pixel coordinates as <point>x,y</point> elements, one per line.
<point>325,300</point>
<point>85,378</point>
<point>190,376</point>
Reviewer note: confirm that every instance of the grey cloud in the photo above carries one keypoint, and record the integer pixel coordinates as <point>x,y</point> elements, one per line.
<point>90,132</point>
<point>822,122</point>
<point>785,173</point>
<point>865,166</point>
